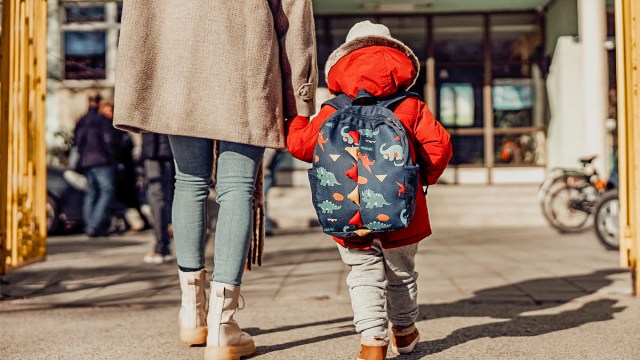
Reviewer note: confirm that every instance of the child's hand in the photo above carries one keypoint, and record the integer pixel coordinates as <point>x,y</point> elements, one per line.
<point>298,120</point>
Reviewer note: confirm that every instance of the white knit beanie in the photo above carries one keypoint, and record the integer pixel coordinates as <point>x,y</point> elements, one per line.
<point>364,34</point>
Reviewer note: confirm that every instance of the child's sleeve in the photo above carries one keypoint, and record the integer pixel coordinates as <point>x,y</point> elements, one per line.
<point>302,134</point>
<point>434,143</point>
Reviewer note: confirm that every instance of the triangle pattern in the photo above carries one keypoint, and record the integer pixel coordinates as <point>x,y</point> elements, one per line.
<point>381,177</point>
<point>334,157</point>
<point>356,219</point>
<point>354,196</point>
<point>353,151</point>
<point>352,173</point>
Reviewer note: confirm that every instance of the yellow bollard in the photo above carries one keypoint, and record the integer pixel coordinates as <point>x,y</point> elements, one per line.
<point>23,192</point>
<point>628,80</point>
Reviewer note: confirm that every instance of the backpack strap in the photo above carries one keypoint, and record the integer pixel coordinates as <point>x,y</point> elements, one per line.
<point>396,98</point>
<point>339,102</point>
<point>364,97</point>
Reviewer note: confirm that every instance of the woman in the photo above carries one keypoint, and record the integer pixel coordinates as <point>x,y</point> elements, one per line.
<point>215,70</point>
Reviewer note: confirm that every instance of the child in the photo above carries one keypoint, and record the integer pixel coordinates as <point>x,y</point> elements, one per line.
<point>382,264</point>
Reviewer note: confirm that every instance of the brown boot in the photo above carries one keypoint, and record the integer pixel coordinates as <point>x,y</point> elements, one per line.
<point>225,340</point>
<point>193,313</point>
<point>404,340</point>
<point>373,349</point>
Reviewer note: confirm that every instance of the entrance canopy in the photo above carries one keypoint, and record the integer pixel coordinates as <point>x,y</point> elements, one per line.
<point>325,7</point>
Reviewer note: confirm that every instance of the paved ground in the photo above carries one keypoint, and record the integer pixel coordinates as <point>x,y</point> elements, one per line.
<point>493,285</point>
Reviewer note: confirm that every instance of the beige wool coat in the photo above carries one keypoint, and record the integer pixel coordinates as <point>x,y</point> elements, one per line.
<point>217,69</point>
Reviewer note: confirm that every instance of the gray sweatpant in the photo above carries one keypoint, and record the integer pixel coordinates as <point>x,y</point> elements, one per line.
<point>378,278</point>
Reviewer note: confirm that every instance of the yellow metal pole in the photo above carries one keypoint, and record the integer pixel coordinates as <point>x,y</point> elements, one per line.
<point>628,80</point>
<point>22,143</point>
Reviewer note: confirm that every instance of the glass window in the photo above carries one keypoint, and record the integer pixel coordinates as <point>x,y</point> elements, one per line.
<point>467,150</point>
<point>459,95</point>
<point>75,13</point>
<point>520,149</point>
<point>411,30</point>
<point>85,55</point>
<point>457,105</point>
<point>515,38</point>
<point>513,101</point>
<point>458,38</point>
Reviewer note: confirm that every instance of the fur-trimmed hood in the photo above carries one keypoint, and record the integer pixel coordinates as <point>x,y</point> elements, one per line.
<point>366,34</point>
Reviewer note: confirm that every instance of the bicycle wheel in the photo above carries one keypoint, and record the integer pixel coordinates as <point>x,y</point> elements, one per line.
<point>607,220</point>
<point>561,212</point>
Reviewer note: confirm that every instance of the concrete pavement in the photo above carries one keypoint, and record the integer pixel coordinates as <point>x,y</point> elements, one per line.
<point>493,285</point>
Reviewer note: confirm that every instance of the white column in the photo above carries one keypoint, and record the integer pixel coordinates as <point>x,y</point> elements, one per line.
<point>592,22</point>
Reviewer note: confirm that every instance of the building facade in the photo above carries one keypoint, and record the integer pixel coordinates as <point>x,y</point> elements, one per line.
<point>484,71</point>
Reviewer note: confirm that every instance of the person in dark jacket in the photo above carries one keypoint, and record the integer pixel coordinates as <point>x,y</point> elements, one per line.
<point>159,172</point>
<point>93,137</point>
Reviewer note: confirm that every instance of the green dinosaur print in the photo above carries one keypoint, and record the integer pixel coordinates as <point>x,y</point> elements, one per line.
<point>328,207</point>
<point>326,178</point>
<point>369,132</point>
<point>373,199</point>
<point>376,225</point>
<point>366,148</point>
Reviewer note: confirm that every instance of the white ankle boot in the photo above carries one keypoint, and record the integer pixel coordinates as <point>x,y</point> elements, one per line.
<point>192,317</point>
<point>225,340</point>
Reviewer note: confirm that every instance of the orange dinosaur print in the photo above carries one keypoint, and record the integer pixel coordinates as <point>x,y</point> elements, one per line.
<point>401,190</point>
<point>365,161</point>
<point>322,140</point>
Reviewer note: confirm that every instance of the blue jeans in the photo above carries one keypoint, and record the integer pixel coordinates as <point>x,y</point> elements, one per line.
<point>97,200</point>
<point>238,166</point>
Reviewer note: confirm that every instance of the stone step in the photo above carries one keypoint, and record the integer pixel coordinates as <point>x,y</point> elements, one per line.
<point>449,205</point>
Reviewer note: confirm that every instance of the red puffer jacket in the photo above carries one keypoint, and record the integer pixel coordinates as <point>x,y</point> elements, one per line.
<point>382,71</point>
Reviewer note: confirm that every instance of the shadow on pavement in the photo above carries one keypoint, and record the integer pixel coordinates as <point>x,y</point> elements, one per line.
<point>511,301</point>
<point>48,282</point>
<point>504,302</point>
<point>62,246</point>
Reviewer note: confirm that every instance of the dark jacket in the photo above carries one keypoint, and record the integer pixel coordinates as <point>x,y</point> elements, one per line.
<point>431,146</point>
<point>155,147</point>
<point>94,138</point>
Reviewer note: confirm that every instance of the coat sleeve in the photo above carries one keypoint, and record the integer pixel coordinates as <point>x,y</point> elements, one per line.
<point>298,59</point>
<point>302,134</point>
<point>434,142</point>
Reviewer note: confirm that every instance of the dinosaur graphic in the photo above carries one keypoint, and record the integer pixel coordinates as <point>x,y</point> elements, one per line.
<point>351,137</point>
<point>322,140</point>
<point>404,218</point>
<point>376,225</point>
<point>373,199</point>
<point>365,161</point>
<point>402,189</point>
<point>328,207</point>
<point>369,132</point>
<point>326,178</point>
<point>393,153</point>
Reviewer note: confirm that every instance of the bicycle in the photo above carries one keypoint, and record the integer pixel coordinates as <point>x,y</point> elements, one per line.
<point>607,212</point>
<point>568,196</point>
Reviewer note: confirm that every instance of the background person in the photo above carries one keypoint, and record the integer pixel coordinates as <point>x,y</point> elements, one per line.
<point>159,173</point>
<point>93,137</point>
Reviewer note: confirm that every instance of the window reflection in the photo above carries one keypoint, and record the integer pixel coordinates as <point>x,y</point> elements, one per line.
<point>84,14</point>
<point>467,150</point>
<point>85,55</point>
<point>520,149</point>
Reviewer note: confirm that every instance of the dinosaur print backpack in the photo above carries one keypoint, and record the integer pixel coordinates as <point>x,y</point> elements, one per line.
<point>363,179</point>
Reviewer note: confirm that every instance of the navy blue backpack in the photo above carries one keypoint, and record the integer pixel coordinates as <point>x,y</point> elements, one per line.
<point>363,179</point>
